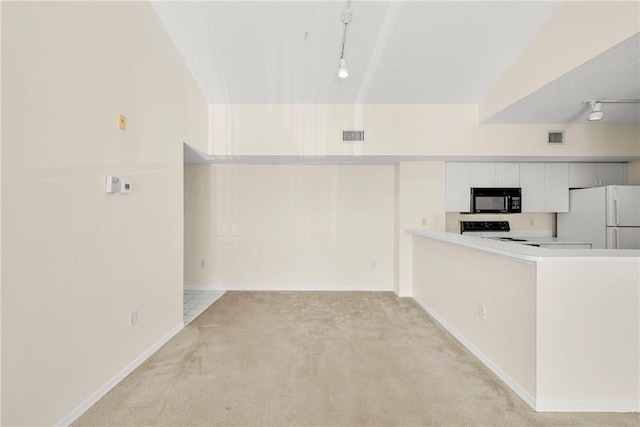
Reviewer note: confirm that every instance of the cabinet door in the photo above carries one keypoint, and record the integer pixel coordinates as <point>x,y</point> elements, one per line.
<point>556,187</point>
<point>483,174</point>
<point>611,174</point>
<point>457,187</point>
<point>532,184</point>
<point>582,175</point>
<point>507,175</point>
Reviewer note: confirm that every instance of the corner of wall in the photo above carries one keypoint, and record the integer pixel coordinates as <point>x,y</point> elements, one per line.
<point>633,169</point>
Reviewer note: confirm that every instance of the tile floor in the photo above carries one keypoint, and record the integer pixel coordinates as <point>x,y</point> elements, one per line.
<point>196,301</point>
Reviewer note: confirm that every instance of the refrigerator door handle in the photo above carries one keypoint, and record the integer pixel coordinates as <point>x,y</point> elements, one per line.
<point>617,212</point>
<point>617,230</point>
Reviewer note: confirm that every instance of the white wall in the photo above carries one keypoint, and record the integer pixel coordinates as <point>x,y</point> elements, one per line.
<point>76,261</point>
<point>634,173</point>
<point>393,129</point>
<point>420,197</point>
<point>289,226</point>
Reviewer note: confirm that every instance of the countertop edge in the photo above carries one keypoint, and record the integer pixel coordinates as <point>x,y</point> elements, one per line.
<point>535,254</point>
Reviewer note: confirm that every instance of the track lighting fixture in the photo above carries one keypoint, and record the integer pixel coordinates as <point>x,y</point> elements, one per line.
<point>596,113</point>
<point>347,14</point>
<point>343,71</point>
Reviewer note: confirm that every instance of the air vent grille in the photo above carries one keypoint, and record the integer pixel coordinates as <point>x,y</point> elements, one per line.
<point>352,136</point>
<point>555,137</point>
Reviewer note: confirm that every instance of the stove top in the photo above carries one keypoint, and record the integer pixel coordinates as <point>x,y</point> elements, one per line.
<point>507,239</point>
<point>494,230</point>
<point>484,226</point>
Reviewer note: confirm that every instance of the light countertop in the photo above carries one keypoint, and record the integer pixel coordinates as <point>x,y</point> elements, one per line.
<point>549,240</point>
<point>533,253</point>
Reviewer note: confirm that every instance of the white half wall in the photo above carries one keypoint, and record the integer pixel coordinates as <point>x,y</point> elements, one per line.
<point>289,227</point>
<point>588,328</point>
<point>77,261</point>
<point>455,282</point>
<point>563,331</point>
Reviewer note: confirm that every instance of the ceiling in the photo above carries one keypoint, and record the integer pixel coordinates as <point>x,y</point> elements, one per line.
<point>614,74</point>
<point>427,52</point>
<point>448,52</point>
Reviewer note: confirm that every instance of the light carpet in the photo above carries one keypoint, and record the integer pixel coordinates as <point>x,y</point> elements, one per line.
<point>319,359</point>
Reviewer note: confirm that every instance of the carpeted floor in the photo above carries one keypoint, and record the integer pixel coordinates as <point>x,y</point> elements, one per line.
<point>319,358</point>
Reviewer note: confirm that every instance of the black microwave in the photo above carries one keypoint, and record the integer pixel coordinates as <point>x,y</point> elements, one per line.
<point>496,200</point>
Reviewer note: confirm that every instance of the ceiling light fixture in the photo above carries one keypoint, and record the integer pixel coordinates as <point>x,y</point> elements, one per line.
<point>596,113</point>
<point>347,15</point>
<point>343,71</point>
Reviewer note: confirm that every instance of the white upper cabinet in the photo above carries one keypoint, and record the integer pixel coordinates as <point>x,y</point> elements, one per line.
<point>545,187</point>
<point>495,175</point>
<point>611,173</point>
<point>532,184</point>
<point>483,174</point>
<point>556,187</point>
<point>584,175</point>
<point>507,175</point>
<point>458,187</point>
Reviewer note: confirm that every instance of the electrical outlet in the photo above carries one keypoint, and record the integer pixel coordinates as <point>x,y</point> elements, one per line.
<point>424,222</point>
<point>482,311</point>
<point>133,317</point>
<point>122,122</point>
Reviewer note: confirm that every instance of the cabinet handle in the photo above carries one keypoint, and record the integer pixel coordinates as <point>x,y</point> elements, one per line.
<point>595,181</point>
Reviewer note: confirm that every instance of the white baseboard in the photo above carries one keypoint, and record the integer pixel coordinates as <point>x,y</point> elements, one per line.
<point>552,405</point>
<point>510,382</point>
<point>106,387</point>
<point>288,288</point>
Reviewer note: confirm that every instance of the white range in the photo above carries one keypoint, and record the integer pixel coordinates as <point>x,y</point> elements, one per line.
<point>500,230</point>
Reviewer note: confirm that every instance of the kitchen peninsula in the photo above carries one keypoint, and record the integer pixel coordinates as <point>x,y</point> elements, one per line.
<point>560,327</point>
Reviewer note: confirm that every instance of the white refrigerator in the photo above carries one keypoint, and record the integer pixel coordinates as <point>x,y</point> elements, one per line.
<point>608,216</point>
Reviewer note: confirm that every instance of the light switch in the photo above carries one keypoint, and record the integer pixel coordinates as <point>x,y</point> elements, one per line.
<point>122,122</point>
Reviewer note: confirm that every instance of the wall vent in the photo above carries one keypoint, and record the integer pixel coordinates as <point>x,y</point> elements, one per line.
<point>352,136</point>
<point>555,137</point>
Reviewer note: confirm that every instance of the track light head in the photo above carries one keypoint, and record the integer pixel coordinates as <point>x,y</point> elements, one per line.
<point>596,112</point>
<point>343,71</point>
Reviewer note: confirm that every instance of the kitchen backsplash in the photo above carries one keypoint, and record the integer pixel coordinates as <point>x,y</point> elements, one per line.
<point>539,222</point>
